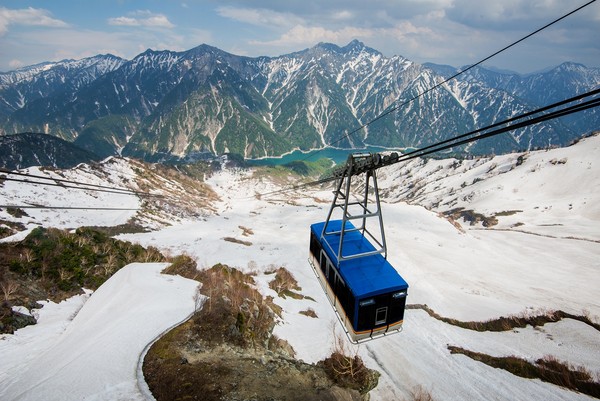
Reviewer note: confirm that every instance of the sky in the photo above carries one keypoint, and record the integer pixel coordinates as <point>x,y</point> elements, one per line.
<point>453,32</point>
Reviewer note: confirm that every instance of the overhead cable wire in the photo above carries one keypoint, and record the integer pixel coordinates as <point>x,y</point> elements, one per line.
<point>434,87</point>
<point>510,120</point>
<point>54,184</point>
<point>556,114</point>
<point>468,137</point>
<point>79,185</point>
<point>65,207</point>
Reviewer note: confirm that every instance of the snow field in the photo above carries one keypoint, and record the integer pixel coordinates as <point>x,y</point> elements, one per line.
<point>95,355</point>
<point>20,194</point>
<point>470,274</point>
<point>476,275</point>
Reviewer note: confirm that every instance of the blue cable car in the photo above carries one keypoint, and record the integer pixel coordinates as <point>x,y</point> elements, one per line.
<point>366,292</point>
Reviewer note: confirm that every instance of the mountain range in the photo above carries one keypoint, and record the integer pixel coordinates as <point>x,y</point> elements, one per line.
<point>164,105</point>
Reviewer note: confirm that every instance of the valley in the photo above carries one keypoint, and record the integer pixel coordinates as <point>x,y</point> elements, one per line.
<point>538,254</point>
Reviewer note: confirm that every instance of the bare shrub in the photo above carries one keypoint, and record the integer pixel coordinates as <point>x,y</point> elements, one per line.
<point>153,255</point>
<point>253,267</point>
<point>111,264</point>
<point>347,369</point>
<point>562,373</point>
<point>184,266</point>
<point>284,282</point>
<point>548,369</point>
<point>27,255</point>
<point>235,311</point>
<point>8,287</point>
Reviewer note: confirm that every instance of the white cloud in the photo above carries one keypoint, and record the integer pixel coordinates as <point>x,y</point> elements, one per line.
<point>55,45</point>
<point>158,21</point>
<point>343,15</point>
<point>260,17</point>
<point>514,14</point>
<point>124,21</point>
<point>453,32</point>
<point>28,17</point>
<point>144,19</point>
<point>303,35</point>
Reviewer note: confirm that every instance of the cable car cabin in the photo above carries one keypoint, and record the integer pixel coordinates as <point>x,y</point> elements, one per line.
<point>367,293</point>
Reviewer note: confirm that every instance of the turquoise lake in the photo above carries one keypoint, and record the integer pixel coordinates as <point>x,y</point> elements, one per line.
<point>337,155</point>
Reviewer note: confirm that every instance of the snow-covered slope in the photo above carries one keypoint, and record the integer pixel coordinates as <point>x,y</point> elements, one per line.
<point>52,194</point>
<point>109,196</point>
<point>467,273</point>
<point>554,192</point>
<point>95,355</point>
<point>544,257</point>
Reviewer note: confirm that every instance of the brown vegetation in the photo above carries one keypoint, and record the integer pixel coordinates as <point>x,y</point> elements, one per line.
<point>246,232</point>
<point>235,311</point>
<point>548,369</point>
<point>237,241</point>
<point>284,284</point>
<point>185,193</point>
<point>348,369</point>
<point>184,266</point>
<point>56,264</point>
<point>509,322</point>
<point>419,393</point>
<point>471,217</point>
<point>310,312</point>
<point>8,228</point>
<point>227,351</point>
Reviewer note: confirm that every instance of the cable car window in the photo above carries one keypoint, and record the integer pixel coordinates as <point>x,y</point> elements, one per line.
<point>324,263</point>
<point>331,275</point>
<point>381,315</point>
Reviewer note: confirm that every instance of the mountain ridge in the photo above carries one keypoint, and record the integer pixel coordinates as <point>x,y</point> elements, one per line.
<point>165,104</point>
<point>24,150</point>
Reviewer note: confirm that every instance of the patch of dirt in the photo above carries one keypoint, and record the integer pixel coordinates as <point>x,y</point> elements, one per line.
<point>471,217</point>
<point>237,241</point>
<point>201,372</point>
<point>227,351</point>
<point>246,232</point>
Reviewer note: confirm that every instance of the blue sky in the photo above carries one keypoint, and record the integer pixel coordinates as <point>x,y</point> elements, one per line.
<point>454,32</point>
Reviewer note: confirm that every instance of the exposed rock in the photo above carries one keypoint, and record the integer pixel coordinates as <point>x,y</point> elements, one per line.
<point>12,320</point>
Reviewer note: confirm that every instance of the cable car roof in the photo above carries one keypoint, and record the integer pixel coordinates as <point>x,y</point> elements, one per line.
<point>366,276</point>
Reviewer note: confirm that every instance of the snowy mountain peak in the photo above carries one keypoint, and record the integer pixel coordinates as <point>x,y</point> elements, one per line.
<point>204,49</point>
<point>571,67</point>
<point>165,103</point>
<point>101,64</point>
<point>357,46</point>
